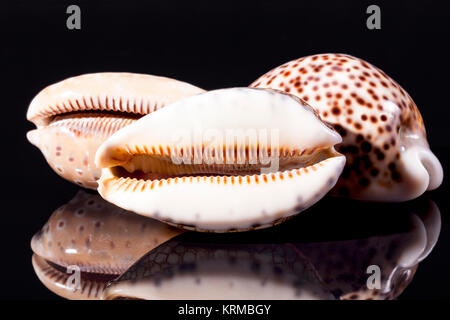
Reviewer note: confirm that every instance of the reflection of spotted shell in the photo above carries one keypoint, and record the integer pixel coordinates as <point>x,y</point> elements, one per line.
<point>345,268</point>
<point>388,158</point>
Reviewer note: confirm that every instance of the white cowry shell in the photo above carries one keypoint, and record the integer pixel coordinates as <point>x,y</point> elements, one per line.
<point>141,173</point>
<point>74,116</point>
<point>384,139</point>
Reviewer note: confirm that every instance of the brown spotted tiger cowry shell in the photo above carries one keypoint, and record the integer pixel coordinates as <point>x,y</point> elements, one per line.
<point>74,116</point>
<point>384,139</point>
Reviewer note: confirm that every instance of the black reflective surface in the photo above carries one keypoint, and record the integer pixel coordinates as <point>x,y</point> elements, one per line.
<point>329,252</point>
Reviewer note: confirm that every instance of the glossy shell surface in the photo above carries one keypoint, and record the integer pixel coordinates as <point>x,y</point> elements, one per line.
<point>230,188</point>
<point>384,140</point>
<point>74,116</point>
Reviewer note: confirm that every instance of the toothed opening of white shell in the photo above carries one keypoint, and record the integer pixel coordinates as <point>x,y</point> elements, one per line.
<point>148,164</point>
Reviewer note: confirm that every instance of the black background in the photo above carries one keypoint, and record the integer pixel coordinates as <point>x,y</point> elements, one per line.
<point>211,44</point>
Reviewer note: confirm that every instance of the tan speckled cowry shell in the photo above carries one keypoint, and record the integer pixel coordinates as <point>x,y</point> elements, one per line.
<point>74,116</point>
<point>96,237</point>
<point>384,140</point>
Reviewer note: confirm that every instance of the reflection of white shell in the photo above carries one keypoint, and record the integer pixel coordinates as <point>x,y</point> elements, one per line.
<point>74,116</point>
<point>179,271</point>
<point>198,267</point>
<point>384,140</point>
<point>232,195</point>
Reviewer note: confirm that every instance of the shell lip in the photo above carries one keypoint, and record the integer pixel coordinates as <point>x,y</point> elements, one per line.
<point>111,185</point>
<point>93,271</point>
<point>180,120</point>
<point>131,93</point>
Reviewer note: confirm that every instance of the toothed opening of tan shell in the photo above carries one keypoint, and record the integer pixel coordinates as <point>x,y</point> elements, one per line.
<point>91,276</point>
<point>56,277</point>
<point>85,106</point>
<point>56,118</point>
<point>151,164</point>
<point>93,113</point>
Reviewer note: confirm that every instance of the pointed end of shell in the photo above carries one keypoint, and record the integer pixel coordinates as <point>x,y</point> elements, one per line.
<point>36,242</point>
<point>423,169</point>
<point>108,156</point>
<point>431,218</point>
<point>105,183</point>
<point>31,112</point>
<point>434,168</point>
<point>100,160</point>
<point>335,137</point>
<point>33,137</point>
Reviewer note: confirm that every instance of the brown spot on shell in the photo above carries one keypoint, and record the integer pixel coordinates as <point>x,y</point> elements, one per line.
<point>336,111</point>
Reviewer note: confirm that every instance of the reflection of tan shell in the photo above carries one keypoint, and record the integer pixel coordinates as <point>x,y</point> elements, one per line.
<point>388,158</point>
<point>74,116</point>
<point>96,237</point>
